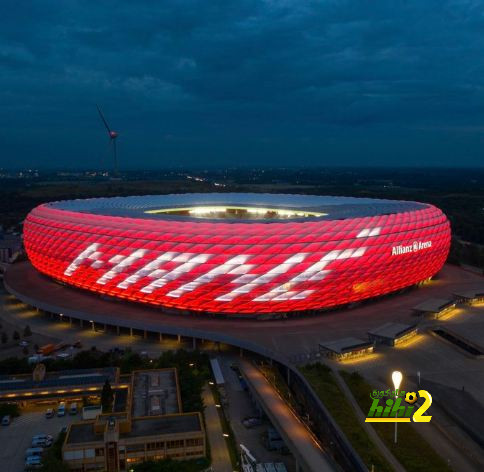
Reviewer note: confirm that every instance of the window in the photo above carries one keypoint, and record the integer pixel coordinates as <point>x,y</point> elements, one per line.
<point>174,444</point>
<point>135,447</point>
<point>194,442</point>
<point>99,451</point>
<point>155,445</point>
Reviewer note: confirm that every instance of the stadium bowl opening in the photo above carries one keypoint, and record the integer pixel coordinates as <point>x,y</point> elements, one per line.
<point>238,254</point>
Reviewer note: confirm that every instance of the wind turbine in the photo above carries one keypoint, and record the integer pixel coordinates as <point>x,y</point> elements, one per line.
<point>112,140</point>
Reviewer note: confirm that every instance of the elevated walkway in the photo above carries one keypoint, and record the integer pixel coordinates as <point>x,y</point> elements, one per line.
<point>307,452</point>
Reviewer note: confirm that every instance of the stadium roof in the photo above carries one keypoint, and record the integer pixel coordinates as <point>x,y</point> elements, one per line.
<point>165,206</point>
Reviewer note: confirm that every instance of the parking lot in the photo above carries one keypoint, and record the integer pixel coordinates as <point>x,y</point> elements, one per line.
<point>16,437</point>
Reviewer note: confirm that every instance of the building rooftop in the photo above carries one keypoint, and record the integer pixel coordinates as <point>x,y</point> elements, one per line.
<point>82,433</point>
<point>434,305</point>
<point>170,424</point>
<point>155,392</point>
<point>391,330</point>
<point>63,378</point>
<point>470,293</point>
<point>345,344</point>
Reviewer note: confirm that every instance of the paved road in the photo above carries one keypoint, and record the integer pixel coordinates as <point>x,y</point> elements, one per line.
<point>283,338</point>
<point>17,437</point>
<point>218,447</point>
<point>298,439</point>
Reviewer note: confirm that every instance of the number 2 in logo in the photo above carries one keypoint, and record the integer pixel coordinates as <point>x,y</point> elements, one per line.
<point>418,415</point>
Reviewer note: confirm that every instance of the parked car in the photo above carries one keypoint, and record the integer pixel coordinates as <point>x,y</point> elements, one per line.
<point>34,452</point>
<point>49,413</point>
<point>61,410</point>
<point>73,409</point>
<point>43,436</point>
<point>6,420</point>
<point>251,422</point>
<point>33,462</point>
<point>41,442</point>
<point>77,344</point>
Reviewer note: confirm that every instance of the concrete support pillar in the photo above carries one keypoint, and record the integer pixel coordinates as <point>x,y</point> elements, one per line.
<point>117,330</point>
<point>194,343</point>
<point>70,320</point>
<point>131,332</point>
<point>298,468</point>
<point>105,328</point>
<point>241,352</point>
<point>161,337</point>
<point>145,334</point>
<point>179,338</point>
<point>81,323</point>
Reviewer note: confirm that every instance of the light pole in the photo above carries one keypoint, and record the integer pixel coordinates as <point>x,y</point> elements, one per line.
<point>397,380</point>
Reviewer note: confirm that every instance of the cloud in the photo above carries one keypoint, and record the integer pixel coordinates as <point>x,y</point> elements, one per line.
<point>223,71</point>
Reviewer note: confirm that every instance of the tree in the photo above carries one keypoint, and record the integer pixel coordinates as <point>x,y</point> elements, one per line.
<point>107,396</point>
<point>52,461</point>
<point>16,335</point>
<point>27,331</point>
<point>4,337</point>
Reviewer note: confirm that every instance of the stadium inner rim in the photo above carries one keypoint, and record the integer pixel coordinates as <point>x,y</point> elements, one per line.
<point>236,254</point>
<point>299,207</point>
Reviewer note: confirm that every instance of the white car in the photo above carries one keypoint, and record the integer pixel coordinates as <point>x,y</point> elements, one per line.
<point>42,441</point>
<point>43,436</point>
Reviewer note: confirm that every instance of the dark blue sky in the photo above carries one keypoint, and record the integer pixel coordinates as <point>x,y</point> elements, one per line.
<point>226,82</point>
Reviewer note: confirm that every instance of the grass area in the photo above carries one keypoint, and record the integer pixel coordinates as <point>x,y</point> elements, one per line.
<point>324,384</point>
<point>226,428</point>
<point>412,451</point>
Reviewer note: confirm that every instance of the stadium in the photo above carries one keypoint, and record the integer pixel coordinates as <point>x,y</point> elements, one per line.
<point>238,254</point>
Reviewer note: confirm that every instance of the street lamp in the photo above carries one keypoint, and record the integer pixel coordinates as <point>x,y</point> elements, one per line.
<point>397,380</point>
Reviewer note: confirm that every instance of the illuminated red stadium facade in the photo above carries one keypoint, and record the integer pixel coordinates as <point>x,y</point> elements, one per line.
<point>240,254</point>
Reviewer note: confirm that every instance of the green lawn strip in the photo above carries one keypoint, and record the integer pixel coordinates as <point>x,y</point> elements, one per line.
<point>226,428</point>
<point>324,384</point>
<point>412,451</point>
